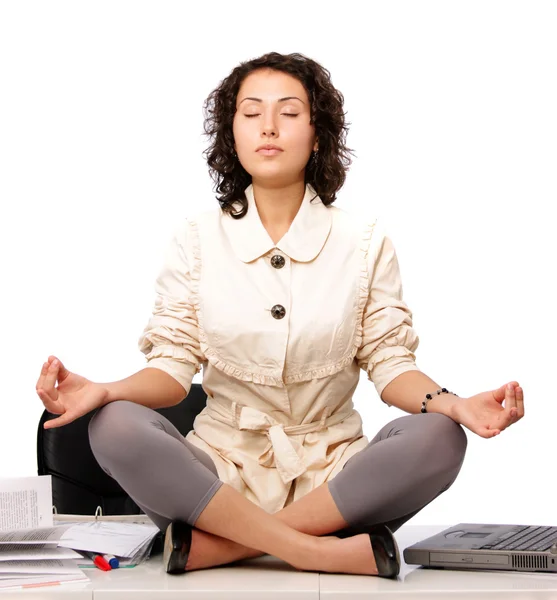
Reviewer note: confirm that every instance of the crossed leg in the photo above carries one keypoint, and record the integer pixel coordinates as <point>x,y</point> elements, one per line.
<point>424,451</point>
<point>410,462</point>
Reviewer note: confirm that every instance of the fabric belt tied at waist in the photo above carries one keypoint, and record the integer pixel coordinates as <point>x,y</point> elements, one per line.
<point>289,465</point>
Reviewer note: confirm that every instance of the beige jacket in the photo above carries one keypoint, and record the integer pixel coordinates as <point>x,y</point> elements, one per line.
<point>281,332</point>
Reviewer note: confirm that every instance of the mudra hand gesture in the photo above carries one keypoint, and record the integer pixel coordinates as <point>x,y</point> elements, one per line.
<point>484,414</point>
<point>73,397</point>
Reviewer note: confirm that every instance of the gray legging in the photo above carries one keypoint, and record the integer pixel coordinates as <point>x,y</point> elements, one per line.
<point>411,461</point>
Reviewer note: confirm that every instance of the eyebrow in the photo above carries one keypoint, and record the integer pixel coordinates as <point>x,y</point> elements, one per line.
<point>279,100</point>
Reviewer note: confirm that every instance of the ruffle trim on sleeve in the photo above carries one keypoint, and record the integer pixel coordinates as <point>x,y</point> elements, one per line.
<point>381,380</point>
<point>385,354</point>
<point>177,353</point>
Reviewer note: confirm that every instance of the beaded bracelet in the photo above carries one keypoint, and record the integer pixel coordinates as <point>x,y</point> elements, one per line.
<point>430,397</point>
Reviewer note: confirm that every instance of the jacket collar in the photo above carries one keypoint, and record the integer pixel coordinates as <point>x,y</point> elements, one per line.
<point>302,242</point>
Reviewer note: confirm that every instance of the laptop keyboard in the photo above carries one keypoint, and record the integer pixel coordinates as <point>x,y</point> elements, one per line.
<point>532,538</point>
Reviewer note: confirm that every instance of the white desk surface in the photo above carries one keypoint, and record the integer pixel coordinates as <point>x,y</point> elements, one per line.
<point>269,578</point>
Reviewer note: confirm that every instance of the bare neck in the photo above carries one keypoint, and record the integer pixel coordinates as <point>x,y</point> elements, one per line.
<point>277,207</point>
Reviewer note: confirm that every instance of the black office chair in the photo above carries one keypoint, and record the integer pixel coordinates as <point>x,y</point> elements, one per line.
<point>79,485</point>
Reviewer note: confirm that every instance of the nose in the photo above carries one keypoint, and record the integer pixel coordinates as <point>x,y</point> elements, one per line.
<point>268,126</point>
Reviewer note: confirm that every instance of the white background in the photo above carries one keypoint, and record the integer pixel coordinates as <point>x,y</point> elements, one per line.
<point>453,119</point>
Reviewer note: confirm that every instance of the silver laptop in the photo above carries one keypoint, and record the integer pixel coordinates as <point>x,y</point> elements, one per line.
<point>476,546</point>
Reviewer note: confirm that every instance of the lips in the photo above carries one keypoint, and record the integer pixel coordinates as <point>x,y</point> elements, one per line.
<point>269,147</point>
<point>269,151</point>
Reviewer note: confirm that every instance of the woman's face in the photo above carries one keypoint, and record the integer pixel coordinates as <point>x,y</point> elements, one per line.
<point>272,107</point>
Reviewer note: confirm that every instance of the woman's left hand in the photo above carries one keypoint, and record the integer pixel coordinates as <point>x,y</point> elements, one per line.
<point>484,414</point>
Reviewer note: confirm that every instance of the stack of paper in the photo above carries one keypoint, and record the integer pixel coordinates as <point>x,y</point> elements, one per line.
<point>33,572</point>
<point>29,553</point>
<point>128,537</point>
<point>130,542</point>
<point>35,552</point>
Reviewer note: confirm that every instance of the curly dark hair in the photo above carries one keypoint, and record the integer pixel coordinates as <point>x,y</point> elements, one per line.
<point>325,171</point>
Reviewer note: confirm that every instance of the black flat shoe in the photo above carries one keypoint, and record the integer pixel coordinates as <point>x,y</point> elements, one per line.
<point>383,543</point>
<point>177,544</point>
<point>385,550</point>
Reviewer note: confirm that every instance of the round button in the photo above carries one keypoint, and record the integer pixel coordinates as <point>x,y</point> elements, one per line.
<point>278,311</point>
<point>277,261</point>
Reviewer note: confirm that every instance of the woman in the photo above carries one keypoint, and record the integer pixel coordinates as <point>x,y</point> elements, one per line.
<point>282,298</point>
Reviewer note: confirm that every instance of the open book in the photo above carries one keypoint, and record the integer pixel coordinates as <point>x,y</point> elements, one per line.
<point>38,547</point>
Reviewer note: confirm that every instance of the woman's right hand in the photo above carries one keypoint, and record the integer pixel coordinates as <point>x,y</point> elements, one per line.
<point>74,397</point>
